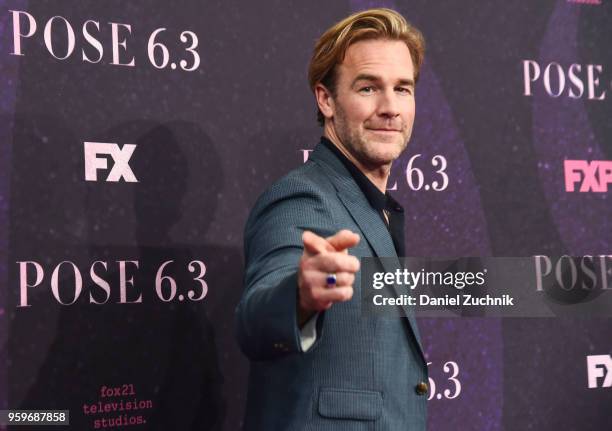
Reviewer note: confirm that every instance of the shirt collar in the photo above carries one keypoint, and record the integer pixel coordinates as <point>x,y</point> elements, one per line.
<point>379,200</point>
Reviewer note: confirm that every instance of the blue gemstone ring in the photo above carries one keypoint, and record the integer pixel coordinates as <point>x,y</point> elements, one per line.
<point>331,280</point>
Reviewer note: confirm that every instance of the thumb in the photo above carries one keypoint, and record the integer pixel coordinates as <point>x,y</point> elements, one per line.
<point>343,239</point>
<point>315,244</point>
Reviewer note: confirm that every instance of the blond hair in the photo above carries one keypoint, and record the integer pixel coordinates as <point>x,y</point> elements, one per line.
<point>381,23</point>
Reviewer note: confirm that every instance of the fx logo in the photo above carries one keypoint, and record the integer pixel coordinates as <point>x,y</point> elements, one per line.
<point>599,366</point>
<point>592,176</point>
<point>120,157</point>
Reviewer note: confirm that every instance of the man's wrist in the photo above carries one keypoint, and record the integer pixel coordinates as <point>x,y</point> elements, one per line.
<point>303,315</point>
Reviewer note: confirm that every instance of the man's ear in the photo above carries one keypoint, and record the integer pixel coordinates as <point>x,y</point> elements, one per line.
<point>325,100</point>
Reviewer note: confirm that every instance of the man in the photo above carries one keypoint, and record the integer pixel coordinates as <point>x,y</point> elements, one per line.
<point>316,362</point>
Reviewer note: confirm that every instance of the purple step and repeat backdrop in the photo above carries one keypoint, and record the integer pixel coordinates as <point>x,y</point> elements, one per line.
<point>136,136</point>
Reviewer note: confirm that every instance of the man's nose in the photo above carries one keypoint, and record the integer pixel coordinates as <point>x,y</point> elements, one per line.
<point>388,105</point>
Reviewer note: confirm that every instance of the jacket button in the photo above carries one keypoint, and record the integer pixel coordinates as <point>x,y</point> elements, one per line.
<point>421,388</point>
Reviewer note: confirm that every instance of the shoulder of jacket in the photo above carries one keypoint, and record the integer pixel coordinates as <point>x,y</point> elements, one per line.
<point>308,178</point>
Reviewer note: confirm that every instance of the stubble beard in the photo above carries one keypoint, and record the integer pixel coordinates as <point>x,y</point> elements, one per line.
<point>360,148</point>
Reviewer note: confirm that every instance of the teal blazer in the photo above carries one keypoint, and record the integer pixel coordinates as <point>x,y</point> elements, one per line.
<point>361,373</point>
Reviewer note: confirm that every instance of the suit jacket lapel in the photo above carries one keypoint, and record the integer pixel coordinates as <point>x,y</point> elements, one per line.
<point>368,220</point>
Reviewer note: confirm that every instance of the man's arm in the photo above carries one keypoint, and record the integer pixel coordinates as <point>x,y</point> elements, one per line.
<point>283,280</point>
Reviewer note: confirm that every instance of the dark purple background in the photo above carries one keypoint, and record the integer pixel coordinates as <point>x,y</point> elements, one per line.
<point>210,141</point>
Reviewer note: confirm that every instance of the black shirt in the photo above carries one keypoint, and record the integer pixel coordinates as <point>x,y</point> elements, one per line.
<point>381,202</point>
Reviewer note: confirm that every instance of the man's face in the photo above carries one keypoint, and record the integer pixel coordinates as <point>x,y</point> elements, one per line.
<point>373,106</point>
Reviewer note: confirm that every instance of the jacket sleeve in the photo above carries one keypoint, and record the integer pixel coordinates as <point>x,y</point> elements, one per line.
<point>266,317</point>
